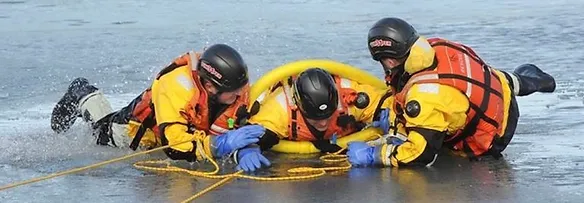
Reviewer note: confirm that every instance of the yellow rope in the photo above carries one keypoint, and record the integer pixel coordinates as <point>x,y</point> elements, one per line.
<point>312,172</point>
<point>78,169</point>
<point>216,185</point>
<point>197,137</point>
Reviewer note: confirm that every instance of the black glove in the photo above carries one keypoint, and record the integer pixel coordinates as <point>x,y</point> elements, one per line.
<point>326,146</point>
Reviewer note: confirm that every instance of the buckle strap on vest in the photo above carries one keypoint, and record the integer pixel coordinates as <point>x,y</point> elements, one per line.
<point>386,96</point>
<point>485,86</point>
<point>471,127</point>
<point>294,124</point>
<point>149,122</point>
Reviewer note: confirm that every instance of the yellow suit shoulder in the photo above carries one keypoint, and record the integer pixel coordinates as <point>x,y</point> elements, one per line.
<point>374,94</point>
<point>170,94</point>
<point>435,106</point>
<point>273,113</point>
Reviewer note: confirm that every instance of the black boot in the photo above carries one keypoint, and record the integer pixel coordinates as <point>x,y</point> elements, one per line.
<point>66,110</point>
<point>532,79</point>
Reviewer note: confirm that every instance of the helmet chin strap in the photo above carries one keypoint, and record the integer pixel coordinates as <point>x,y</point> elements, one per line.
<point>212,96</point>
<point>215,97</point>
<point>388,71</point>
<point>395,71</point>
<point>398,75</point>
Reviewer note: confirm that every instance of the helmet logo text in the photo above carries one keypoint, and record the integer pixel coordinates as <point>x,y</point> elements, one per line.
<point>380,43</point>
<point>211,70</point>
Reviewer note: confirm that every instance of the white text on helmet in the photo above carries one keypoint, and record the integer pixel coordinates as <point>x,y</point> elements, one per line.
<point>380,43</point>
<point>211,70</point>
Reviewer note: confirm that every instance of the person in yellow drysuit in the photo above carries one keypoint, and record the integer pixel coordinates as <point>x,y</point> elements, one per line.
<point>445,95</point>
<point>317,107</point>
<point>197,100</point>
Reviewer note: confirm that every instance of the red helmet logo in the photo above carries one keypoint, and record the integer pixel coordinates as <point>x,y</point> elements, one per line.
<point>211,70</point>
<point>380,43</point>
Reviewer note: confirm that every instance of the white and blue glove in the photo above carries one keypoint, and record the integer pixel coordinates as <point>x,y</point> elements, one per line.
<point>361,154</point>
<point>232,140</point>
<point>250,159</point>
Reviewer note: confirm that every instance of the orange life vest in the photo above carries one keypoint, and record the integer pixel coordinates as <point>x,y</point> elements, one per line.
<point>460,67</point>
<point>143,113</point>
<point>196,111</point>
<point>340,124</point>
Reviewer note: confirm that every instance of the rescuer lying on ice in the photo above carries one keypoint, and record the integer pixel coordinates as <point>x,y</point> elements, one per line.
<point>317,107</point>
<point>198,100</point>
<point>445,95</point>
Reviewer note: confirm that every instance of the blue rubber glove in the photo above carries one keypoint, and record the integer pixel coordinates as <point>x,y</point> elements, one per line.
<point>251,159</point>
<point>383,122</point>
<point>232,140</point>
<point>395,141</point>
<point>362,154</point>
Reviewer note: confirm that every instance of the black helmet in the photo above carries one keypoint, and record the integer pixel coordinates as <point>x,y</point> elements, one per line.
<point>316,94</point>
<point>392,38</point>
<point>224,67</point>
